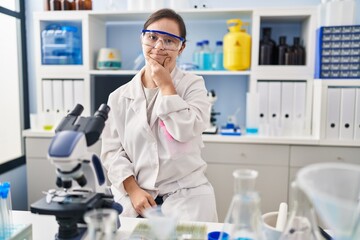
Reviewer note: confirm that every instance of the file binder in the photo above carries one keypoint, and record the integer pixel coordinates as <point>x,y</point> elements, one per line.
<point>47,95</point>
<point>263,91</point>
<point>68,95</point>
<point>78,92</point>
<point>57,96</point>
<point>333,113</point>
<point>357,115</point>
<point>287,103</point>
<point>299,113</point>
<point>274,107</point>
<point>347,113</point>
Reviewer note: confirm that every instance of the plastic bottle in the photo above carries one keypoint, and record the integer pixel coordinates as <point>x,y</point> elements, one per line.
<point>237,47</point>
<point>267,48</point>
<point>282,49</point>
<point>196,54</point>
<point>302,221</point>
<point>243,220</point>
<point>299,52</point>
<point>218,57</point>
<point>205,56</point>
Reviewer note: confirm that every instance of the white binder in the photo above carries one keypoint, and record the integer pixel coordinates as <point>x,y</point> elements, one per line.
<point>287,103</point>
<point>263,90</point>
<point>299,113</point>
<point>47,95</point>
<point>333,113</point>
<point>79,92</point>
<point>274,107</point>
<point>68,95</point>
<point>57,95</point>
<point>347,113</point>
<point>357,115</point>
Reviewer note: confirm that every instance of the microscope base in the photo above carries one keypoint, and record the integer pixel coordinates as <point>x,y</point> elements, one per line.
<point>211,130</point>
<point>69,214</point>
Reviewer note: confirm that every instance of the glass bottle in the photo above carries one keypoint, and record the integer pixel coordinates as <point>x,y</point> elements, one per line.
<point>243,220</point>
<point>55,5</point>
<point>282,49</point>
<point>302,222</point>
<point>84,4</point>
<point>267,48</point>
<point>196,54</point>
<point>205,56</point>
<point>299,52</point>
<point>218,56</point>
<point>69,5</point>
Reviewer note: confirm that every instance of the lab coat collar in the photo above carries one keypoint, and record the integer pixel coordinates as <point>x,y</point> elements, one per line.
<point>135,92</point>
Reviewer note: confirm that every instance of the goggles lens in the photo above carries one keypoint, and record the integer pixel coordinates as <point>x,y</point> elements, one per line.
<point>169,41</point>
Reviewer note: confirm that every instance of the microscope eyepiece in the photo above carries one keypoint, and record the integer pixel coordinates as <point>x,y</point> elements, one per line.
<point>78,109</point>
<point>103,111</point>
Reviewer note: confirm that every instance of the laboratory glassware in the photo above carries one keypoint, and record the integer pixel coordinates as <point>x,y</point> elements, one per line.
<point>218,56</point>
<point>243,220</point>
<point>206,56</point>
<point>267,48</point>
<point>101,223</point>
<point>302,222</point>
<point>163,226</point>
<point>334,190</point>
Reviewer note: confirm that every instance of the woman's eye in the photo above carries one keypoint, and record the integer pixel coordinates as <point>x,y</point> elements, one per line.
<point>168,41</point>
<point>153,37</point>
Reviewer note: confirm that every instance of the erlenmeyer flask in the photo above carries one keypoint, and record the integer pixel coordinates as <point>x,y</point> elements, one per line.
<point>243,220</point>
<point>302,222</point>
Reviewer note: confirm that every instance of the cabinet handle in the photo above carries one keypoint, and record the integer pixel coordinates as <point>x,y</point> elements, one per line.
<point>340,159</point>
<point>243,155</point>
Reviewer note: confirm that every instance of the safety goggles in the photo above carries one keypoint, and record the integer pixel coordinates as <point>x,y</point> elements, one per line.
<point>169,41</point>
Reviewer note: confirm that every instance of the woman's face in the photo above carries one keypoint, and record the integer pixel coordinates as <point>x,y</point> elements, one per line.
<point>159,51</point>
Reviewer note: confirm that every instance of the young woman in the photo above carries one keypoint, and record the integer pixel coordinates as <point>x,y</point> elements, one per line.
<point>151,144</point>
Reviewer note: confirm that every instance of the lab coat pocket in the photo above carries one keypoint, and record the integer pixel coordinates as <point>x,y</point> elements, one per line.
<point>173,147</point>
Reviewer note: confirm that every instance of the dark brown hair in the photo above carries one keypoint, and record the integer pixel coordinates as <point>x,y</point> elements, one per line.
<point>170,14</point>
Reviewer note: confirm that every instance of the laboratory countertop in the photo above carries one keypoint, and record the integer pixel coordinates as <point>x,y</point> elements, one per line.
<point>45,226</point>
<point>251,139</point>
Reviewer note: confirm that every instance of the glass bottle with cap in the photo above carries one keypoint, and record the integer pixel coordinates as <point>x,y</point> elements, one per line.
<point>243,220</point>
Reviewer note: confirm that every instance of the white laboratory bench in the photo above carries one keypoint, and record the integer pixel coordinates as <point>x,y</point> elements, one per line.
<point>277,159</point>
<point>45,226</point>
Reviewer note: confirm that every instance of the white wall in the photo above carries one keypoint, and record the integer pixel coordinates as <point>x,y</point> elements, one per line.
<point>37,5</point>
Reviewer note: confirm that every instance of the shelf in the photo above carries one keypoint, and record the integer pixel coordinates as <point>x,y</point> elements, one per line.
<point>133,72</point>
<point>190,14</point>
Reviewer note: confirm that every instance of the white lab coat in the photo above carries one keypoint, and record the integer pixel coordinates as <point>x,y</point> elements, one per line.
<point>133,147</point>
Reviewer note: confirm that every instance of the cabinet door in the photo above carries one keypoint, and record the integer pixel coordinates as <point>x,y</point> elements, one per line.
<point>239,153</point>
<point>301,156</point>
<point>272,184</point>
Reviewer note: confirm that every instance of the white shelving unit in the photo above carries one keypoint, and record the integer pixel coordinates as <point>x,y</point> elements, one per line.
<point>100,28</point>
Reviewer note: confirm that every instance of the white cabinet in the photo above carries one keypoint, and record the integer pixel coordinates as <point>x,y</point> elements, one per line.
<point>271,161</point>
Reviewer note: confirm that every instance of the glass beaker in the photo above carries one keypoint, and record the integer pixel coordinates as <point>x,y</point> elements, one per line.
<point>302,222</point>
<point>162,226</point>
<point>243,220</point>
<point>101,223</point>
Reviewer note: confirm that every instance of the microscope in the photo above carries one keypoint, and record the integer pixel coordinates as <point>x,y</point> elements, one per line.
<point>212,128</point>
<point>69,153</point>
